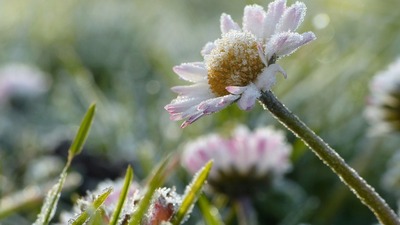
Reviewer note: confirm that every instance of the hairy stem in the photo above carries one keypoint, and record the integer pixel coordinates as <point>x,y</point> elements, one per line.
<point>245,212</point>
<point>349,176</point>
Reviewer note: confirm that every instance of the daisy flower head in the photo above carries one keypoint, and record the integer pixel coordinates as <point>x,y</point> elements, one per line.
<point>242,63</point>
<point>164,204</point>
<point>383,104</point>
<point>134,195</point>
<point>243,163</point>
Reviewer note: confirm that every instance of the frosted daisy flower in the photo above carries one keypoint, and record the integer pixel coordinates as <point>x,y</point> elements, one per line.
<point>242,63</point>
<point>383,105</point>
<point>243,163</point>
<point>109,204</point>
<point>163,206</point>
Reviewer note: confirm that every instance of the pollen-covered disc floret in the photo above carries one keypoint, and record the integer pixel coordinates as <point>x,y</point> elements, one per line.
<point>242,63</point>
<point>235,61</point>
<point>243,163</point>
<point>383,105</point>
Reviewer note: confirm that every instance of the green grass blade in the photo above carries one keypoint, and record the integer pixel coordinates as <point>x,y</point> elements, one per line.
<point>50,203</point>
<point>97,218</point>
<point>210,213</point>
<point>191,193</point>
<point>83,132</point>
<point>155,182</point>
<point>81,219</point>
<point>122,196</point>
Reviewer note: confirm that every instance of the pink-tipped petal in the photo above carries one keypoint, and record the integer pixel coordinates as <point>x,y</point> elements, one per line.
<point>227,100</point>
<point>261,53</point>
<point>191,91</point>
<point>294,42</point>
<point>191,72</point>
<point>292,18</point>
<point>207,48</point>
<point>274,44</point>
<point>249,97</point>
<point>268,77</point>
<point>236,90</point>
<point>192,119</point>
<point>286,43</point>
<point>228,24</point>
<point>217,104</point>
<point>253,20</point>
<point>273,15</point>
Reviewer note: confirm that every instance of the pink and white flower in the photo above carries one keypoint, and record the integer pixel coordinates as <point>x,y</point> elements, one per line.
<point>164,203</point>
<point>383,105</point>
<point>242,163</point>
<point>241,64</point>
<point>21,80</point>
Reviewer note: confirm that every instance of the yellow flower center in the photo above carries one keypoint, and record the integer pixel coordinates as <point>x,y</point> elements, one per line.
<point>234,61</point>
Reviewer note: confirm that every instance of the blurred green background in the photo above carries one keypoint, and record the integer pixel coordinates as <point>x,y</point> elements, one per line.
<point>120,54</point>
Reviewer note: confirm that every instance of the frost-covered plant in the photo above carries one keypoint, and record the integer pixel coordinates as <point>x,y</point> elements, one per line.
<point>241,67</point>
<point>164,203</point>
<point>242,63</point>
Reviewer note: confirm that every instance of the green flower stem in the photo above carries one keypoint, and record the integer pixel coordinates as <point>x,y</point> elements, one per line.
<point>360,164</point>
<point>245,212</point>
<point>349,176</point>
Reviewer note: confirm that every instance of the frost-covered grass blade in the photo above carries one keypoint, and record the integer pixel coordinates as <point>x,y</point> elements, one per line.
<point>97,218</point>
<point>191,193</point>
<point>50,203</point>
<point>91,211</point>
<point>82,134</point>
<point>123,195</point>
<point>155,182</point>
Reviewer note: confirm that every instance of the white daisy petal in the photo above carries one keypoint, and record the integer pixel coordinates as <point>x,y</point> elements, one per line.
<point>216,104</point>
<point>253,20</point>
<point>249,97</point>
<point>191,72</point>
<point>228,24</point>
<point>197,89</point>
<point>294,42</point>
<point>192,119</point>
<point>273,15</point>
<point>178,105</point>
<point>268,77</point>
<point>292,17</point>
<point>236,90</point>
<point>283,44</point>
<point>227,100</point>
<point>207,48</point>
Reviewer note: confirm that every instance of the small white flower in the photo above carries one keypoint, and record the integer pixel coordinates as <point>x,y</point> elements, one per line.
<point>242,163</point>
<point>383,105</point>
<point>23,80</point>
<point>109,205</point>
<point>164,203</point>
<point>240,64</point>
